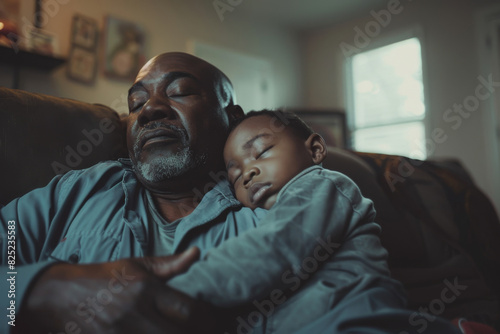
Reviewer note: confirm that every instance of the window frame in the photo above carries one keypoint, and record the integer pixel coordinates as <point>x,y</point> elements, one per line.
<point>387,39</point>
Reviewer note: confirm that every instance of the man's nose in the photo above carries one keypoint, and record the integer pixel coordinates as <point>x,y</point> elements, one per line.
<point>249,175</point>
<point>156,108</point>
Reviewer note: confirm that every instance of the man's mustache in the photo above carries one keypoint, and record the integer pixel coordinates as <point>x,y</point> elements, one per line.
<point>179,132</point>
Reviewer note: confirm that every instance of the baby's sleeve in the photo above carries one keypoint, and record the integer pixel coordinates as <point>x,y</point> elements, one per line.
<point>312,218</point>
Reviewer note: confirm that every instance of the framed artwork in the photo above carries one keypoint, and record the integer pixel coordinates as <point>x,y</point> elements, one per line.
<point>82,60</point>
<point>84,32</point>
<point>123,49</point>
<point>82,65</point>
<point>330,124</point>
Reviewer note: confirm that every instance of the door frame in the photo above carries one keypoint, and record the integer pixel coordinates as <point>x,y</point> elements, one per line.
<point>488,46</point>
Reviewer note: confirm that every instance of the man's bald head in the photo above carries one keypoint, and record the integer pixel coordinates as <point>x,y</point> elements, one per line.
<point>222,86</point>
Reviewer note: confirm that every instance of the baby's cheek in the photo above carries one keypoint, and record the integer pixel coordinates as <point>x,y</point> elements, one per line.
<point>241,196</point>
<point>270,202</point>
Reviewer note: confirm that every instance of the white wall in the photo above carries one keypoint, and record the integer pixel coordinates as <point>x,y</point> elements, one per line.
<point>170,25</point>
<point>451,58</point>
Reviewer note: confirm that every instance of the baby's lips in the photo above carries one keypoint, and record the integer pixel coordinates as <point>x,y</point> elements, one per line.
<point>257,191</point>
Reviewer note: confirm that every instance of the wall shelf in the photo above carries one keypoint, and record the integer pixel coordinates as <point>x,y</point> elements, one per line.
<point>27,59</point>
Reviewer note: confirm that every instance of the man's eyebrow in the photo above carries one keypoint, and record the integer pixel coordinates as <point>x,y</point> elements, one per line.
<point>249,143</point>
<point>170,76</point>
<point>135,87</point>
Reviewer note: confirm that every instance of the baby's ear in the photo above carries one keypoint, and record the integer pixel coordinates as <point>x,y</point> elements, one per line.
<point>317,148</point>
<point>234,111</point>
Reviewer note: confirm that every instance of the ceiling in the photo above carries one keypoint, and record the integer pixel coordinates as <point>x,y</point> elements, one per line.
<point>304,15</point>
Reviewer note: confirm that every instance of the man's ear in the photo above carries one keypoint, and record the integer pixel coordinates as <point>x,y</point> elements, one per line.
<point>234,111</point>
<point>317,148</point>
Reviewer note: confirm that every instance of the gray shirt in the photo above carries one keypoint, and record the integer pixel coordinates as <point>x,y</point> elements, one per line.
<point>316,245</point>
<point>162,233</point>
<point>99,214</point>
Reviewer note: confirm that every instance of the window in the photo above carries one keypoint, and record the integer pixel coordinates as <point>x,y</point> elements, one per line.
<point>387,107</point>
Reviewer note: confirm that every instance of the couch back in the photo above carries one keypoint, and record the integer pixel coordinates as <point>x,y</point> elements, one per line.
<point>440,230</point>
<point>42,136</point>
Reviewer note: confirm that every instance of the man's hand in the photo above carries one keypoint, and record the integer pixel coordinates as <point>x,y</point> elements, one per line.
<point>126,296</point>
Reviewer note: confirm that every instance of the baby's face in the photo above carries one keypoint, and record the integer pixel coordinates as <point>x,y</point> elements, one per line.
<point>261,156</point>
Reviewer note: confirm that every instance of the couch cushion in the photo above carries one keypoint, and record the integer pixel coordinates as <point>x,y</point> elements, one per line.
<point>460,229</point>
<point>41,136</point>
<point>404,240</point>
<point>438,227</point>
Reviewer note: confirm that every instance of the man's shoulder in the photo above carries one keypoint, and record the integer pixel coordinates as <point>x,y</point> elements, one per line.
<point>112,170</point>
<point>109,165</point>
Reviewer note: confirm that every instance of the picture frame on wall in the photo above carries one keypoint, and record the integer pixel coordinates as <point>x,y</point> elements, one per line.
<point>85,32</point>
<point>82,65</point>
<point>330,124</point>
<point>123,50</point>
<point>82,59</point>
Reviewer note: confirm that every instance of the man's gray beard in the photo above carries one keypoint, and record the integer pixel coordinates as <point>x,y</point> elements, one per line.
<point>163,168</point>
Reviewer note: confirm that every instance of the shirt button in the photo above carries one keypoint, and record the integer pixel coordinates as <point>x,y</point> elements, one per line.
<point>74,258</point>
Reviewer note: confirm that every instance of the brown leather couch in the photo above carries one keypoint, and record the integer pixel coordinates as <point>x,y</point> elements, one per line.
<point>441,231</point>
<point>41,136</point>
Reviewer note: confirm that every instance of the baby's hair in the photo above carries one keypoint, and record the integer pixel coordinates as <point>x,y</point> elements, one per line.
<point>287,118</point>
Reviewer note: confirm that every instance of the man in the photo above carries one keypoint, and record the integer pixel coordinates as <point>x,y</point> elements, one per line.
<point>180,107</point>
<point>112,218</point>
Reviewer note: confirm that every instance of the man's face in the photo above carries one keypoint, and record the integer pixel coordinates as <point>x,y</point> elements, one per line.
<point>176,124</point>
<point>261,158</point>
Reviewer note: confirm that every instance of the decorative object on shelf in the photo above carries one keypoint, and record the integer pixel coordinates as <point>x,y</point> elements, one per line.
<point>330,124</point>
<point>43,43</point>
<point>9,19</point>
<point>8,33</point>
<point>82,61</point>
<point>123,49</point>
<point>23,44</point>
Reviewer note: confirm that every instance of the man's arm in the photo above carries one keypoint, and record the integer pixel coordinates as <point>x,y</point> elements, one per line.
<point>313,218</point>
<point>125,296</point>
<point>49,296</point>
<point>24,224</point>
